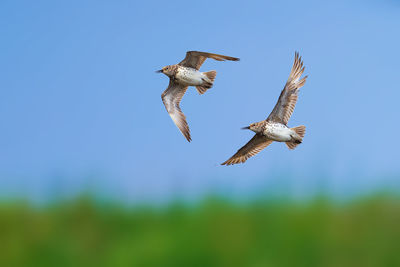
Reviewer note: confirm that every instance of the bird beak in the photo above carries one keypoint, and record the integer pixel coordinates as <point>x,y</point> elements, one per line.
<point>158,71</point>
<point>246,128</point>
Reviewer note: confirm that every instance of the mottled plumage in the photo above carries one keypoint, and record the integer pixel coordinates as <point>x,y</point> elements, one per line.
<point>275,128</point>
<point>185,74</point>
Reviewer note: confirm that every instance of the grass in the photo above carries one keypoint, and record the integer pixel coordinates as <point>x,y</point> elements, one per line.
<point>364,232</point>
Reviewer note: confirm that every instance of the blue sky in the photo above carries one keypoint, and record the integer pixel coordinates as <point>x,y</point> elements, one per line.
<point>80,103</point>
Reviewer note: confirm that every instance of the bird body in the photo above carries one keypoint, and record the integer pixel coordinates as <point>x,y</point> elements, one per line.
<point>190,77</point>
<point>275,128</point>
<point>278,132</point>
<point>275,131</point>
<point>185,74</point>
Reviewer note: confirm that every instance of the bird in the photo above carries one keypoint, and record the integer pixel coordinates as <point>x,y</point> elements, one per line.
<point>182,75</point>
<point>275,128</point>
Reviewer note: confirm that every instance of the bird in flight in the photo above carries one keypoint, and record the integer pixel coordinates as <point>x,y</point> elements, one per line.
<point>182,75</point>
<point>275,128</point>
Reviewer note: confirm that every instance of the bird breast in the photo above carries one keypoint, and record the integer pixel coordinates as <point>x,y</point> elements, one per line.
<point>278,132</point>
<point>189,76</point>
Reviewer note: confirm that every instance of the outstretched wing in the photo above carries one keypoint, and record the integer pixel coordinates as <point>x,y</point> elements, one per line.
<point>254,146</point>
<point>171,98</point>
<point>287,100</point>
<point>194,59</point>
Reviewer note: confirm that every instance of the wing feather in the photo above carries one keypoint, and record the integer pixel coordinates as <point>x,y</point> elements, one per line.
<point>253,147</point>
<point>171,98</point>
<point>194,59</point>
<point>288,98</point>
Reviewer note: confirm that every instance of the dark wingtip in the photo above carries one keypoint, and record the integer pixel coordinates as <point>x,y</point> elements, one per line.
<point>234,58</point>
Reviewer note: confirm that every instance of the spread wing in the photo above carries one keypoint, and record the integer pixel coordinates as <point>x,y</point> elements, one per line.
<point>194,59</point>
<point>171,98</point>
<point>288,98</point>
<point>254,146</point>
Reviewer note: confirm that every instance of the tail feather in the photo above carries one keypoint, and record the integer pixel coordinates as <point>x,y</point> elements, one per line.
<point>208,82</point>
<point>300,131</point>
<point>291,145</point>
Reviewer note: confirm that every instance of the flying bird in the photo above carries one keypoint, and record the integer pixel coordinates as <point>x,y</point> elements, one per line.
<point>182,75</point>
<point>275,128</point>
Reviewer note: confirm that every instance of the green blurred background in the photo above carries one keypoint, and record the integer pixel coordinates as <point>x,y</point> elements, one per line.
<point>213,232</point>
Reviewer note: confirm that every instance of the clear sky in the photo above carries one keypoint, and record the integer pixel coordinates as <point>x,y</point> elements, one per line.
<point>80,103</point>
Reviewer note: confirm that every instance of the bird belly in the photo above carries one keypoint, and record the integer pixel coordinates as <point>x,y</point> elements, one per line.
<point>189,76</point>
<point>278,132</point>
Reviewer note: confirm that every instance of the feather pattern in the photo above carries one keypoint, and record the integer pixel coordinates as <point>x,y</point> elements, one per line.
<point>171,98</point>
<point>194,59</point>
<point>287,100</point>
<point>253,147</point>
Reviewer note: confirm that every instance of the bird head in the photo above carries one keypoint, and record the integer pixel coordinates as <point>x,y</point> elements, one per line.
<point>255,127</point>
<point>167,70</point>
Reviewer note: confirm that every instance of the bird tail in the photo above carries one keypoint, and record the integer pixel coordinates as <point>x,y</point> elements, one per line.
<point>207,82</point>
<point>300,131</point>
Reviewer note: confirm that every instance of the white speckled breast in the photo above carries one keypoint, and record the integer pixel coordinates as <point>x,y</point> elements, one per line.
<point>189,76</point>
<point>278,132</point>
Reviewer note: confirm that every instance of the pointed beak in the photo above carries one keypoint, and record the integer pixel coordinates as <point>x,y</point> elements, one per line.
<point>246,128</point>
<point>158,71</point>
